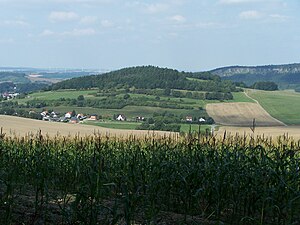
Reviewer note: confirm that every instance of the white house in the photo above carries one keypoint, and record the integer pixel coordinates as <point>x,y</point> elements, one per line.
<point>189,119</point>
<point>121,117</point>
<point>68,115</point>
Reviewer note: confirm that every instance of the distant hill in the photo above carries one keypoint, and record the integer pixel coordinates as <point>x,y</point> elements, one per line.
<point>149,77</point>
<point>13,77</point>
<point>286,76</point>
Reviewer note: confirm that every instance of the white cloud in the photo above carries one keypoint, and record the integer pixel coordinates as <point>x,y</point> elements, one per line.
<point>47,33</point>
<point>88,19</point>
<point>58,16</point>
<point>250,15</point>
<point>58,1</point>
<point>278,17</point>
<point>178,18</point>
<point>72,33</point>
<point>156,8</point>
<point>106,23</point>
<point>14,23</point>
<point>6,40</point>
<point>80,32</point>
<point>232,2</point>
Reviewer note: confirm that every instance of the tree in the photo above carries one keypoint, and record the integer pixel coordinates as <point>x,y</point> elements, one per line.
<point>126,96</point>
<point>80,98</point>
<point>267,86</point>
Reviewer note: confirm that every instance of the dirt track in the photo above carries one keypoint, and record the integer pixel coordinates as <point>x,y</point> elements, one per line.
<point>241,114</point>
<point>21,126</point>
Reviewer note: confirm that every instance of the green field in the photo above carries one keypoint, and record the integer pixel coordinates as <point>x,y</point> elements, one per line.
<point>282,105</point>
<point>240,97</point>
<point>115,124</point>
<point>55,95</point>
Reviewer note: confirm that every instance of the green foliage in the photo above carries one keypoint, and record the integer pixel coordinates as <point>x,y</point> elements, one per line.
<point>80,98</point>
<point>97,180</point>
<point>267,86</point>
<point>13,77</point>
<point>162,121</point>
<point>147,77</point>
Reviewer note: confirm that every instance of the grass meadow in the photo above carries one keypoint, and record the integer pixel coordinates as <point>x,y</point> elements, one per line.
<point>282,105</point>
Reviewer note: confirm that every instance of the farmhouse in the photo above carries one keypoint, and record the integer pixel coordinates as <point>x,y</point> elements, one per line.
<point>44,113</point>
<point>80,116</point>
<point>93,117</point>
<point>121,117</point>
<point>68,115</point>
<point>140,118</point>
<point>189,119</point>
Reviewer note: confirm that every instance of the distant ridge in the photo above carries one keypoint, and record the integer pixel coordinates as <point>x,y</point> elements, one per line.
<point>285,75</point>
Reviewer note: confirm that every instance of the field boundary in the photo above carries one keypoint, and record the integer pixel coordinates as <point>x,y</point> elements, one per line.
<point>264,108</point>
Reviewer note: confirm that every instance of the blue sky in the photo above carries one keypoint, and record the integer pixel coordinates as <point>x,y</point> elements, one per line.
<point>190,35</point>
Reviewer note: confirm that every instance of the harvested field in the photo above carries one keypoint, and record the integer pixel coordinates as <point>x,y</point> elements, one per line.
<point>21,126</point>
<point>241,114</point>
<point>290,131</point>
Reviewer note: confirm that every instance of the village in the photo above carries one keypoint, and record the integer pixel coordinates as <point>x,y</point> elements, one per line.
<point>74,118</point>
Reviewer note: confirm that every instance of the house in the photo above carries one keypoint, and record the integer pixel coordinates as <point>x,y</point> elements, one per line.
<point>54,115</point>
<point>121,117</point>
<point>189,119</point>
<point>44,113</point>
<point>140,118</point>
<point>68,115</point>
<point>93,117</point>
<point>201,120</point>
<point>80,116</point>
<point>74,120</point>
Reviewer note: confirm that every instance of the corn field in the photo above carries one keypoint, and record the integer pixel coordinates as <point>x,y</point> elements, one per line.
<point>167,180</point>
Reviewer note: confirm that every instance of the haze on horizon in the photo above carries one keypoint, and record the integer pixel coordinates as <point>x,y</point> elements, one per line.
<point>191,35</point>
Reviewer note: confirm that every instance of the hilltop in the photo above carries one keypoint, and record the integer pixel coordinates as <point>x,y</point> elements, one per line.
<point>286,76</point>
<point>149,77</point>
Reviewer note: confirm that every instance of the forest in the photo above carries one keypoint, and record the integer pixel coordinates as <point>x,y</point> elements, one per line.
<point>149,77</point>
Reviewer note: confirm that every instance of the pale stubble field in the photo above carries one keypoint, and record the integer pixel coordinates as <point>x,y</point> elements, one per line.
<point>17,126</point>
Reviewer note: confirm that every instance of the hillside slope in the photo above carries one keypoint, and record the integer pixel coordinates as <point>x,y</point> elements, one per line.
<point>149,77</point>
<point>240,114</point>
<point>287,76</point>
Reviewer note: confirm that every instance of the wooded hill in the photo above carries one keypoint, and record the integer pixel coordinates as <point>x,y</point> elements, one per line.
<point>286,76</point>
<point>150,77</point>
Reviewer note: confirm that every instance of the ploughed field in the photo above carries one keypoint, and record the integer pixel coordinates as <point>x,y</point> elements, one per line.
<point>240,114</point>
<point>168,180</point>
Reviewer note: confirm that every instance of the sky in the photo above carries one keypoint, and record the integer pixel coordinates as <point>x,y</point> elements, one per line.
<point>189,35</point>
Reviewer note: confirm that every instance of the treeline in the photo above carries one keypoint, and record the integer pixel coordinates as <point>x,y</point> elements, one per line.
<point>185,94</point>
<point>267,86</point>
<point>167,121</point>
<point>106,103</point>
<point>22,87</point>
<point>13,77</point>
<point>261,85</point>
<point>148,77</point>
<point>12,108</point>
